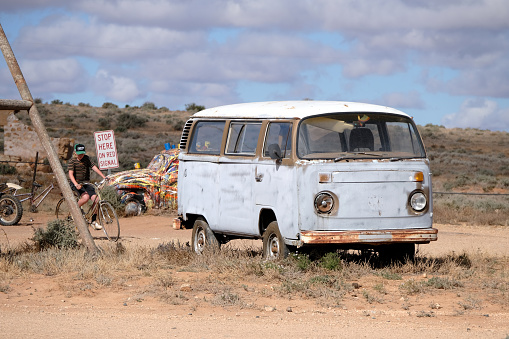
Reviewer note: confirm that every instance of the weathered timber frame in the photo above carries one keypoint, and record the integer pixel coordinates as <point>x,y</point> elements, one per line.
<point>27,103</point>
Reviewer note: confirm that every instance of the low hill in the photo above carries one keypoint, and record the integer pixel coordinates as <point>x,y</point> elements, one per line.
<point>462,160</point>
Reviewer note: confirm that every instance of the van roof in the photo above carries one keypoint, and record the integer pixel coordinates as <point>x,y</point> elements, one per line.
<point>291,109</point>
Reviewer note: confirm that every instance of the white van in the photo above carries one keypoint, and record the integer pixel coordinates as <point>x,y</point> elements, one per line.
<point>305,173</point>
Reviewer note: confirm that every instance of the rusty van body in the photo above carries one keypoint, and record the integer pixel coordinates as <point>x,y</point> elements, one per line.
<point>305,173</point>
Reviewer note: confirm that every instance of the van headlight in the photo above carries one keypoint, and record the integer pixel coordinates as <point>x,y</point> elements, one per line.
<point>418,201</point>
<point>324,202</point>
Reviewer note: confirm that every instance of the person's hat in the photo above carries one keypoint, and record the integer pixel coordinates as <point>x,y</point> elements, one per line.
<point>79,149</point>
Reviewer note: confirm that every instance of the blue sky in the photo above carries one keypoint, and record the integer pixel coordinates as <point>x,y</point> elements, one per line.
<point>443,62</point>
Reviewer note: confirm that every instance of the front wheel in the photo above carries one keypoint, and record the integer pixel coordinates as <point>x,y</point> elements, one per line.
<point>203,238</point>
<point>62,211</point>
<point>108,219</point>
<point>274,246</point>
<point>10,210</point>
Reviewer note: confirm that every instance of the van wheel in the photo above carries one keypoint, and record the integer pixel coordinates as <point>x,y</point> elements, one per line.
<point>274,246</point>
<point>203,238</point>
<point>133,208</point>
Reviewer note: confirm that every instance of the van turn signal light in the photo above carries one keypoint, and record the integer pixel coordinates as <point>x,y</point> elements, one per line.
<point>324,177</point>
<point>418,176</point>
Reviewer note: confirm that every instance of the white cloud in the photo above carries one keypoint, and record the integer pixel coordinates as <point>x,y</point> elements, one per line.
<point>157,48</point>
<point>118,88</point>
<point>402,100</point>
<point>45,77</point>
<point>479,113</point>
<point>75,37</point>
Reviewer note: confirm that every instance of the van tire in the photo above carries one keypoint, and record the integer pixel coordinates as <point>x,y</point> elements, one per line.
<point>203,239</point>
<point>274,246</point>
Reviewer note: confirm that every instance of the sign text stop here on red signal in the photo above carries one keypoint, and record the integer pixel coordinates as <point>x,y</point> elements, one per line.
<point>106,149</point>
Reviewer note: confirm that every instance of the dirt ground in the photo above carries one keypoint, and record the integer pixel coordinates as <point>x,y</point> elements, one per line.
<point>38,307</point>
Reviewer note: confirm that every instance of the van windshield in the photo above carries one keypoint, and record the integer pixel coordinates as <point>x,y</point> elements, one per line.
<point>359,135</point>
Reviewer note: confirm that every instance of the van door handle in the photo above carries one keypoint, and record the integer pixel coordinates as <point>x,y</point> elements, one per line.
<point>259,177</point>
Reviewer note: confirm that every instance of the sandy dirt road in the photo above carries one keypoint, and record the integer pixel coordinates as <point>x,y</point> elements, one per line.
<point>37,309</point>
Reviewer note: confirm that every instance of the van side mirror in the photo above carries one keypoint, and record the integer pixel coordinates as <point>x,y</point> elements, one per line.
<point>275,152</point>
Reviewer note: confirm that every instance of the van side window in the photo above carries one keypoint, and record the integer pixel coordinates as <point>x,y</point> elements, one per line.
<point>243,137</point>
<point>279,133</point>
<point>207,137</point>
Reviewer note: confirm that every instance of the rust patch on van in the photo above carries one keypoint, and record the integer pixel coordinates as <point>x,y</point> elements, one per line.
<point>418,236</point>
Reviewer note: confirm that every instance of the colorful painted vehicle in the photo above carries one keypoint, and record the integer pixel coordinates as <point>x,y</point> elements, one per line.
<point>151,187</point>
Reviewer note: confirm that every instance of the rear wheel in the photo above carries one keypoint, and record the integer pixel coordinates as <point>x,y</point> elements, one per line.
<point>203,238</point>
<point>133,208</point>
<point>107,218</point>
<point>10,210</point>
<point>274,246</point>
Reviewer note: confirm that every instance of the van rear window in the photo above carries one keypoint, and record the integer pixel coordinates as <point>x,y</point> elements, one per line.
<point>207,137</point>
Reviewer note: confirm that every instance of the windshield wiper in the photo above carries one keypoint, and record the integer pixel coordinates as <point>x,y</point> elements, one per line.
<point>351,157</point>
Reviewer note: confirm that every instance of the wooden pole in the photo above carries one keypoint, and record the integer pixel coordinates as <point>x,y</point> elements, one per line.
<point>54,162</point>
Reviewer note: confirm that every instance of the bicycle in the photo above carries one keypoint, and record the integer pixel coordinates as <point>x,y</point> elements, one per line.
<point>35,201</point>
<point>106,215</point>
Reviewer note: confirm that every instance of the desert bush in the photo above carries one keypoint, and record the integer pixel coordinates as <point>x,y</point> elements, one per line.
<point>6,169</point>
<point>109,105</point>
<point>331,261</point>
<point>57,102</point>
<point>149,105</point>
<point>109,194</point>
<point>104,122</point>
<point>192,107</point>
<point>126,121</point>
<point>59,233</point>
<point>179,125</point>
<point>302,261</point>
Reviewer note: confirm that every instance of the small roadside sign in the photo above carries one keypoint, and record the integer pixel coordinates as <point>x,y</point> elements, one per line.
<point>106,149</point>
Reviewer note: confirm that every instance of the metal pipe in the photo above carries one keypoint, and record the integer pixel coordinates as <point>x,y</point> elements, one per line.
<point>46,143</point>
<point>33,179</point>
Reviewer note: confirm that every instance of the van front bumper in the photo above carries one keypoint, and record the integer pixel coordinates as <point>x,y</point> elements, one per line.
<point>375,237</point>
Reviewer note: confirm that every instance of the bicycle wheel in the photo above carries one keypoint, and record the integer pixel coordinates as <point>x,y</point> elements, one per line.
<point>62,211</point>
<point>10,210</point>
<point>107,217</point>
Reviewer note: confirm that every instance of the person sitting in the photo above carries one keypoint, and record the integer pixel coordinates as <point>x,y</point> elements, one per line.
<point>79,174</point>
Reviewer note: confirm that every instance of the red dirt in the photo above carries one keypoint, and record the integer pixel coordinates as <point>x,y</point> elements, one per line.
<point>37,305</point>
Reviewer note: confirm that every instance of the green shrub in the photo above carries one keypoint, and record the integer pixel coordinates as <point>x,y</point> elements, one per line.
<point>59,233</point>
<point>109,105</point>
<point>331,261</point>
<point>179,125</point>
<point>192,107</point>
<point>126,121</point>
<point>110,195</point>
<point>302,260</point>
<point>56,102</point>
<point>149,105</point>
<point>6,169</point>
<point>105,122</point>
